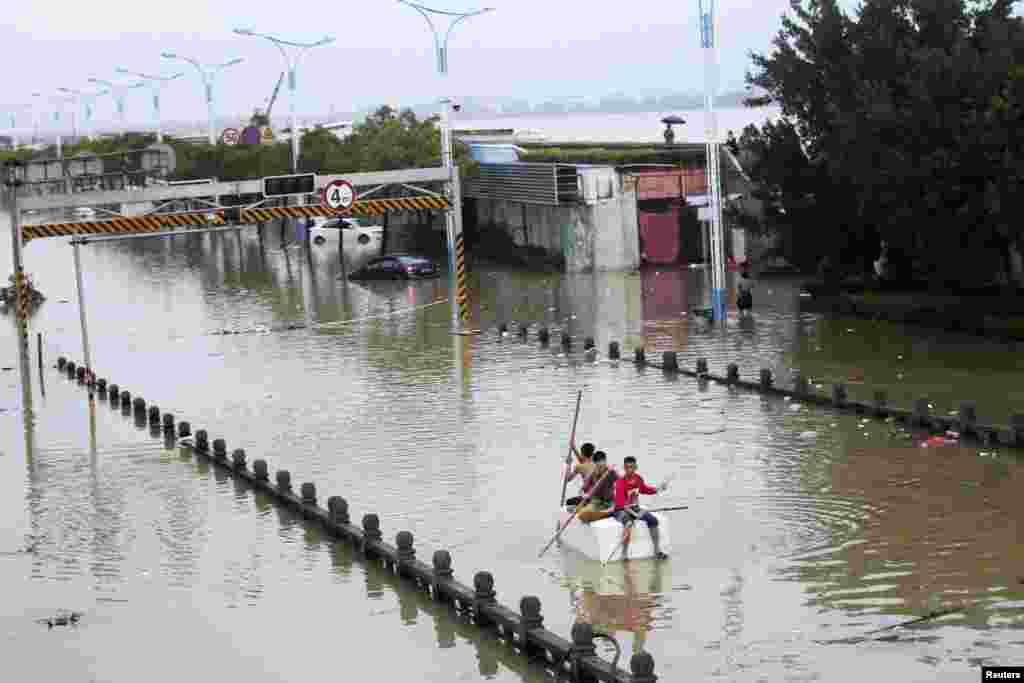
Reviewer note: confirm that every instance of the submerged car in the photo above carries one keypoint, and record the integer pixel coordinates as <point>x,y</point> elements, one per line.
<point>322,230</point>
<point>397,267</point>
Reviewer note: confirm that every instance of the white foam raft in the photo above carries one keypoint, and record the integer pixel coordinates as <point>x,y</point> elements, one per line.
<point>597,540</point>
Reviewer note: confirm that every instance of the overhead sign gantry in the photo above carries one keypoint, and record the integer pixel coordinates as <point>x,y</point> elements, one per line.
<point>103,189</point>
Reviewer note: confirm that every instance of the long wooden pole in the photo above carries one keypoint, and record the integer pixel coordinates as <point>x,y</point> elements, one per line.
<point>568,457</point>
<point>627,531</point>
<point>39,352</point>
<point>579,507</point>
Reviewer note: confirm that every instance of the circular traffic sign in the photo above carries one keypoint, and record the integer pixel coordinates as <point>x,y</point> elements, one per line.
<point>229,136</point>
<point>338,194</point>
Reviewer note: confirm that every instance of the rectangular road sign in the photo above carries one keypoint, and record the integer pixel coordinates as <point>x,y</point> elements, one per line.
<point>285,185</point>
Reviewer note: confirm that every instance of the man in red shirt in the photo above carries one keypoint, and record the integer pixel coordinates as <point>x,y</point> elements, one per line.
<point>627,509</point>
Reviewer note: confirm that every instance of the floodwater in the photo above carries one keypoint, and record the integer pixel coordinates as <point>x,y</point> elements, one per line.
<point>806,529</point>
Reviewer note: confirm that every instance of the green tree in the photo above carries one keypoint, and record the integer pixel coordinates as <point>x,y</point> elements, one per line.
<point>899,112</point>
<point>386,140</point>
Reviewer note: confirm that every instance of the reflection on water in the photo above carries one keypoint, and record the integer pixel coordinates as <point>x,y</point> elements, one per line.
<point>803,525</point>
<point>621,597</point>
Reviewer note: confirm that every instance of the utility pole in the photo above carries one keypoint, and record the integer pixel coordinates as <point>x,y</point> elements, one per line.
<point>456,264</point>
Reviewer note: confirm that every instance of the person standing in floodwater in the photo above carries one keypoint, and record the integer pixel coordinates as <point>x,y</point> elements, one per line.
<point>744,292</point>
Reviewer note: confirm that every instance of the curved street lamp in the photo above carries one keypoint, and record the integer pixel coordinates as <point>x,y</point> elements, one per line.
<point>709,43</point>
<point>453,217</point>
<point>118,91</point>
<point>208,74</point>
<point>156,84</point>
<point>84,103</point>
<point>36,115</point>
<point>12,117</point>
<point>292,62</point>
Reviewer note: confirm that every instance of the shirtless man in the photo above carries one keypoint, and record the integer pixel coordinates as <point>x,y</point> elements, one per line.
<point>583,468</point>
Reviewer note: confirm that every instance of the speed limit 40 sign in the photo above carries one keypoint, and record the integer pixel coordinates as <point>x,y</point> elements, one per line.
<point>338,194</point>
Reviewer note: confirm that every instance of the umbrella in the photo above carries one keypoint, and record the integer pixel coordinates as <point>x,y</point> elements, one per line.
<point>669,120</point>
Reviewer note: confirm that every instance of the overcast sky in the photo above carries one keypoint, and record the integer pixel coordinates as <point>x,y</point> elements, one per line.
<point>383,51</point>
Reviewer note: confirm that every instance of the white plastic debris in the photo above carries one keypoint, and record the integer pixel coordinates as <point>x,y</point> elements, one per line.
<point>809,435</point>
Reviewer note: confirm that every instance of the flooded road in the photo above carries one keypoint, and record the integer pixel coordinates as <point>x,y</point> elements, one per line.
<point>806,530</point>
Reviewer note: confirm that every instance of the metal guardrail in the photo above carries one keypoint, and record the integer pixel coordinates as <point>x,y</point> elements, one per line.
<point>549,184</point>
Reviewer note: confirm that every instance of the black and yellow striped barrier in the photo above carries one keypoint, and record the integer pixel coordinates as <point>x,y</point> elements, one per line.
<point>122,226</point>
<point>366,207</point>
<point>462,295</point>
<point>159,223</point>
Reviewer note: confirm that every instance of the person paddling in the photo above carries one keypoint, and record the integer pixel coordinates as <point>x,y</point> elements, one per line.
<point>583,468</point>
<point>627,508</point>
<point>602,490</point>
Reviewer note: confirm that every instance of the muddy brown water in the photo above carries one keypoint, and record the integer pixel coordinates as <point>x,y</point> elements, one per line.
<point>807,529</point>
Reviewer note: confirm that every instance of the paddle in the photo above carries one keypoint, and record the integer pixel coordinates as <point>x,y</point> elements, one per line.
<point>679,507</point>
<point>568,457</point>
<point>579,507</point>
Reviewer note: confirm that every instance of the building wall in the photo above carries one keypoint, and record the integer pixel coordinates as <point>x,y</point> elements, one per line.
<point>598,235</point>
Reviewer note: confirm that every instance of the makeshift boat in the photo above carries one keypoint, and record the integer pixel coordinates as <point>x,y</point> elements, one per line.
<point>597,540</point>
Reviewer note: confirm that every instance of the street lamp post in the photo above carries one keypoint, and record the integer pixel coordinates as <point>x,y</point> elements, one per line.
<point>207,73</point>
<point>57,112</point>
<point>453,223</point>
<point>292,62</point>
<point>708,31</point>
<point>156,83</point>
<point>12,117</point>
<point>36,98</point>
<point>84,104</point>
<point>118,91</point>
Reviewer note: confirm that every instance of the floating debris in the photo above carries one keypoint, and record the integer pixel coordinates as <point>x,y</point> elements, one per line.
<point>809,435</point>
<point>67,619</point>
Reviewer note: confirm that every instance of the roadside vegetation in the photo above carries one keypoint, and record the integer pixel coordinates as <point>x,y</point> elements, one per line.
<point>901,123</point>
<point>386,140</point>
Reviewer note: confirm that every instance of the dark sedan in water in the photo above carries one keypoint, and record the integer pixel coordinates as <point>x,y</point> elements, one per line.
<point>397,267</point>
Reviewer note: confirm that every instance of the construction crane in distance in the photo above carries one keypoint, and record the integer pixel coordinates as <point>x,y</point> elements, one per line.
<point>273,97</point>
<point>262,118</point>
